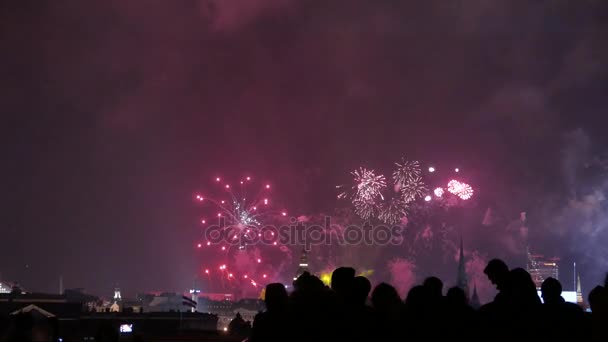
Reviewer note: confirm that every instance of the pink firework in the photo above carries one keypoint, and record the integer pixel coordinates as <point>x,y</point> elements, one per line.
<point>240,215</point>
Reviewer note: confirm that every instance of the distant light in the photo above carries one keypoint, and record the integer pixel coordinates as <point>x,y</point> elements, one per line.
<point>208,243</point>
<point>199,245</point>
<point>253,283</point>
<point>223,248</point>
<point>203,221</point>
<point>225,328</point>
<point>217,179</point>
<point>264,276</point>
<point>207,271</point>
<point>241,182</point>
<point>219,214</point>
<point>427,198</point>
<point>456,170</point>
<point>248,178</point>
<point>230,275</point>
<point>274,243</point>
<point>245,276</point>
<point>259,261</point>
<point>303,265</point>
<point>284,213</point>
<point>431,169</point>
<point>227,186</point>
<point>223,201</point>
<point>254,208</point>
<point>267,186</point>
<point>265,200</point>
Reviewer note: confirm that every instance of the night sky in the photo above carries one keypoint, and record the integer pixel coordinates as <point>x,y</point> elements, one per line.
<point>115,112</point>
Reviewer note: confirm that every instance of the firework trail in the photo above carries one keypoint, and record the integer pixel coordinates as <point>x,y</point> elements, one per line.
<point>392,211</point>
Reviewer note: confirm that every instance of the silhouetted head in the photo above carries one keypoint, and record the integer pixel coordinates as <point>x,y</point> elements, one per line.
<point>275,297</point>
<point>597,299</point>
<point>308,283</point>
<point>522,287</point>
<point>434,286</point>
<point>417,297</point>
<point>551,290</point>
<point>361,288</point>
<point>456,296</point>
<point>342,278</point>
<point>385,297</point>
<point>498,272</point>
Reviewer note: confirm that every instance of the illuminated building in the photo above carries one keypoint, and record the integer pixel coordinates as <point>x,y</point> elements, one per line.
<point>303,266</point>
<point>5,288</point>
<point>541,268</point>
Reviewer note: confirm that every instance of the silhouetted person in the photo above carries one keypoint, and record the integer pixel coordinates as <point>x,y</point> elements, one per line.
<point>598,303</point>
<point>238,326</point>
<point>434,286</point>
<point>359,322</point>
<point>387,307</point>
<point>498,274</point>
<point>435,307</point>
<point>416,314</point>
<point>494,314</point>
<point>273,324</point>
<point>341,280</point>
<point>524,305</point>
<point>561,319</point>
<point>459,315</point>
<point>314,310</point>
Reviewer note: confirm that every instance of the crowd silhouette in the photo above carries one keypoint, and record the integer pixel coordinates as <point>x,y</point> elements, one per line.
<point>349,310</point>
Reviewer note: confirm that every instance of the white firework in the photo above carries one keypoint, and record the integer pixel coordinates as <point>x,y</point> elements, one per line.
<point>406,172</point>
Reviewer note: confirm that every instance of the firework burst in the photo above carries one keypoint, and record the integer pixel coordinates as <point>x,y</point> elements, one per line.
<point>413,189</point>
<point>407,172</point>
<point>238,217</point>
<point>366,193</point>
<point>393,210</point>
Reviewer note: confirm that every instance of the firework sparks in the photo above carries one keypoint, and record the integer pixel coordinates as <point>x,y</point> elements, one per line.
<point>367,197</point>
<point>407,171</point>
<point>413,189</point>
<point>466,191</point>
<point>438,192</point>
<point>454,186</point>
<point>462,190</point>
<point>392,212</point>
<point>241,213</point>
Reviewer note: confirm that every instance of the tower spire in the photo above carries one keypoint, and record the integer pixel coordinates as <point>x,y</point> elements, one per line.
<point>475,303</point>
<point>461,280</point>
